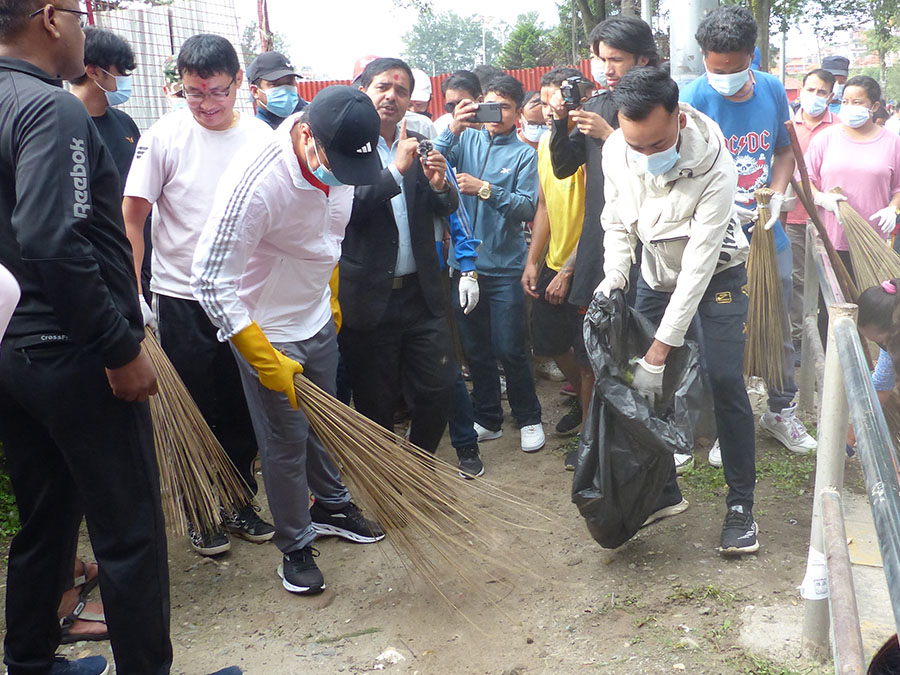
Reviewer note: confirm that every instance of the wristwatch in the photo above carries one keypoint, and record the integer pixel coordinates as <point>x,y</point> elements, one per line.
<point>484,192</point>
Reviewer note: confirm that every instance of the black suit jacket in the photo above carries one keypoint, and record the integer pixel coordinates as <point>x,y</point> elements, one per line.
<point>369,252</point>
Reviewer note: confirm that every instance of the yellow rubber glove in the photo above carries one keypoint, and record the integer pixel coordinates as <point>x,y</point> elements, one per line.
<point>276,371</point>
<point>335,305</point>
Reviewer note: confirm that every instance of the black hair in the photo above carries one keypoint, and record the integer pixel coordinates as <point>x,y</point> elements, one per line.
<point>627,33</point>
<point>873,89</point>
<point>887,660</point>
<point>465,80</point>
<point>14,16</point>
<point>485,74</point>
<point>558,75</point>
<point>822,74</point>
<point>105,49</point>
<point>642,89</point>
<point>729,28</point>
<point>881,310</point>
<point>508,87</point>
<point>206,55</point>
<point>881,113</point>
<point>379,66</point>
<point>530,94</point>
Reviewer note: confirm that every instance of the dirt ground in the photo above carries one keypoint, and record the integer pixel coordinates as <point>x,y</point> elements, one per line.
<point>664,602</point>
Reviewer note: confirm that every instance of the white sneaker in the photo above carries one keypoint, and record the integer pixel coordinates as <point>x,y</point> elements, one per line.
<point>787,428</point>
<point>486,434</point>
<point>683,463</point>
<point>550,371</point>
<point>533,438</point>
<point>715,455</point>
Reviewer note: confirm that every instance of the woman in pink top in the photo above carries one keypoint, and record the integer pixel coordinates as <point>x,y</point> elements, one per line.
<point>862,159</point>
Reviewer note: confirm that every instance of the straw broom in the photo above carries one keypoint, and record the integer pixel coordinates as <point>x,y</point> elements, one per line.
<point>764,350</point>
<point>196,478</point>
<point>435,520</point>
<point>873,259</point>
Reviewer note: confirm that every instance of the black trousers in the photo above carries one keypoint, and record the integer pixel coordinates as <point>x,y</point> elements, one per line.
<point>73,449</point>
<point>211,375</point>
<point>408,353</point>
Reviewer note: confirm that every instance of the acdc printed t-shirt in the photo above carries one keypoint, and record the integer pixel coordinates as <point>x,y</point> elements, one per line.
<point>753,129</point>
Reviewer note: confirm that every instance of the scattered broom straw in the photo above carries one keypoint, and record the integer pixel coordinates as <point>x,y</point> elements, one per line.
<point>764,350</point>
<point>873,259</point>
<point>197,479</point>
<point>435,520</point>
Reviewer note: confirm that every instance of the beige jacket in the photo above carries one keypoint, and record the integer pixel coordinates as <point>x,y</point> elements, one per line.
<point>684,218</point>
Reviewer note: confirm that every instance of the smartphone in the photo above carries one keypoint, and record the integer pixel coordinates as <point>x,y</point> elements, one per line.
<point>487,112</point>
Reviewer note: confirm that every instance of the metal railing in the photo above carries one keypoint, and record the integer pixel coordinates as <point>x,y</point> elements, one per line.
<point>845,393</point>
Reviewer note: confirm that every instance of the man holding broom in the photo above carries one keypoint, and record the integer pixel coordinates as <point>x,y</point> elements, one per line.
<point>261,272</point>
<point>670,184</point>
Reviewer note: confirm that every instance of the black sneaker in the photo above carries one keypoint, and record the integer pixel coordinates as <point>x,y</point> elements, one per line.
<point>739,532</point>
<point>571,460</point>
<point>347,522</point>
<point>247,524</point>
<point>208,543</point>
<point>89,665</point>
<point>470,464</point>
<point>571,422</point>
<point>299,572</point>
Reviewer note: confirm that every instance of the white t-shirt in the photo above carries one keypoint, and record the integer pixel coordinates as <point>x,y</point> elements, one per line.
<point>177,165</point>
<point>9,298</point>
<point>893,124</point>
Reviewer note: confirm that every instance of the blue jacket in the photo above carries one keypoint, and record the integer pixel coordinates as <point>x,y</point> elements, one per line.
<point>510,167</point>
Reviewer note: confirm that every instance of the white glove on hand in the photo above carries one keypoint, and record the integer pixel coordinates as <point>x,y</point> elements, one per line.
<point>886,219</point>
<point>148,316</point>
<point>829,202</point>
<point>468,293</point>
<point>648,380</point>
<point>744,215</point>
<point>610,282</point>
<point>775,204</point>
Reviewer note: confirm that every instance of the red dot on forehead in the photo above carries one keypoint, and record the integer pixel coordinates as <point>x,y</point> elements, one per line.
<point>203,85</point>
<point>396,76</point>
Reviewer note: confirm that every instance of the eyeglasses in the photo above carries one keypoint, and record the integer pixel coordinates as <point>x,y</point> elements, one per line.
<point>219,95</point>
<point>82,16</point>
<point>450,106</point>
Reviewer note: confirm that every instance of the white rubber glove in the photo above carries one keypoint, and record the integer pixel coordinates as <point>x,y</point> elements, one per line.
<point>648,380</point>
<point>468,293</point>
<point>885,218</point>
<point>148,316</point>
<point>829,201</point>
<point>775,204</point>
<point>610,282</point>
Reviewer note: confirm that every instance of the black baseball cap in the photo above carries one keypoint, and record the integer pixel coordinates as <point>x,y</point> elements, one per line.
<point>345,122</point>
<point>836,65</point>
<point>269,66</point>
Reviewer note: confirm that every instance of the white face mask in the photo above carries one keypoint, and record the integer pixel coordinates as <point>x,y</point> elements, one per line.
<point>533,132</point>
<point>854,116</point>
<point>838,91</point>
<point>598,72</point>
<point>658,163</point>
<point>812,104</point>
<point>728,84</point>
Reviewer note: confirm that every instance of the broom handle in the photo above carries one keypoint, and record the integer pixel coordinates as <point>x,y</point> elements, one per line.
<point>848,287</point>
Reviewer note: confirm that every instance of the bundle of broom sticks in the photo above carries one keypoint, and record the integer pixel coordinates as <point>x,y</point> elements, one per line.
<point>197,479</point>
<point>435,520</point>
<point>873,259</point>
<point>764,349</point>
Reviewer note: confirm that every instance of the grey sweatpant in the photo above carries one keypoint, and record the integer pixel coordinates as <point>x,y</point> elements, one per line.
<point>294,461</point>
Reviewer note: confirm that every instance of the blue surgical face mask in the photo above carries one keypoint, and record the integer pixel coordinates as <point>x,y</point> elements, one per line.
<point>122,92</point>
<point>598,72</point>
<point>324,175</point>
<point>178,103</point>
<point>838,91</point>
<point>659,162</point>
<point>533,132</point>
<point>854,116</point>
<point>812,104</point>
<point>281,101</point>
<point>728,84</point>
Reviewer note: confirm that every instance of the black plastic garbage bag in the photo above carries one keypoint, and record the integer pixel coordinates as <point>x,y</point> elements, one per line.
<point>626,447</point>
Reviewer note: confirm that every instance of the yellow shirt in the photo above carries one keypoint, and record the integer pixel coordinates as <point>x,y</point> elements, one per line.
<point>565,206</point>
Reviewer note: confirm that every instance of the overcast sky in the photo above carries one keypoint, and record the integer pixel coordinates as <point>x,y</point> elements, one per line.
<point>330,35</point>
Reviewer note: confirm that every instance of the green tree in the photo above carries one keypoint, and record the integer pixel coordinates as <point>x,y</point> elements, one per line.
<point>250,42</point>
<point>526,46</point>
<point>880,38</point>
<point>444,42</point>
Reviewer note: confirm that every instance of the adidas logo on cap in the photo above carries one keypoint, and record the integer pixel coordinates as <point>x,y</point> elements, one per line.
<point>365,150</point>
